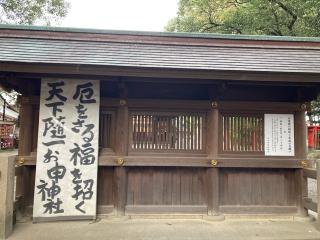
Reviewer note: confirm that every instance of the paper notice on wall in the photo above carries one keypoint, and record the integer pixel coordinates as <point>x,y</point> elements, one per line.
<point>67,153</point>
<point>279,134</point>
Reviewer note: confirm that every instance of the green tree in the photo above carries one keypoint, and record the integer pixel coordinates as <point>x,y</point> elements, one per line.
<point>32,11</point>
<point>258,17</point>
<point>314,113</point>
<point>253,17</point>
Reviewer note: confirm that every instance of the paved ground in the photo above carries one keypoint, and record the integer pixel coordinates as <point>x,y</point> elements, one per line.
<point>173,229</point>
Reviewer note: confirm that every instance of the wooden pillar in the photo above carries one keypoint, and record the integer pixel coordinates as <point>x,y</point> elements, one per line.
<point>213,191</point>
<point>212,150</point>
<point>26,128</point>
<point>120,176</point>
<point>25,147</point>
<point>301,153</point>
<point>121,149</point>
<point>301,134</point>
<point>301,192</point>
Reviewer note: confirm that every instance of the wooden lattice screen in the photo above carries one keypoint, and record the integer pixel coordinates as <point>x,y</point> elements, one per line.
<point>180,132</point>
<point>105,125</point>
<point>243,133</point>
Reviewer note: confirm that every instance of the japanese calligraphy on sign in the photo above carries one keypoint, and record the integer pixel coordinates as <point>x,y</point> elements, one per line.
<point>67,154</point>
<point>279,134</point>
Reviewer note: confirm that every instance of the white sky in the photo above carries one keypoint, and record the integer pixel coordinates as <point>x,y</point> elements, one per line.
<point>144,15</point>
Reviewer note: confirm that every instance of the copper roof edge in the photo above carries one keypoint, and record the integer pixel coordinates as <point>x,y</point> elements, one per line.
<point>170,38</point>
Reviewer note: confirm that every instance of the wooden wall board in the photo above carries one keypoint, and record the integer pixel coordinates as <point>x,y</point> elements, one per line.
<point>106,188</point>
<point>162,182</point>
<point>166,186</point>
<point>257,187</point>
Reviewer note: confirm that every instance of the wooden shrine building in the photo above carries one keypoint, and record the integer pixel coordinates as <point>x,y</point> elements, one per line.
<point>182,116</point>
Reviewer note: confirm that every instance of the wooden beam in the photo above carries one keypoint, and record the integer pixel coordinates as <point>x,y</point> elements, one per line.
<point>259,162</point>
<point>188,161</point>
<point>287,107</point>
<point>166,209</point>
<point>258,209</point>
<point>76,70</point>
<point>192,104</point>
<point>169,104</point>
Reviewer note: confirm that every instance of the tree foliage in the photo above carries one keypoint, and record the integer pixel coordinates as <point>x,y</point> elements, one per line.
<point>257,17</point>
<point>254,17</point>
<point>314,113</point>
<point>32,11</point>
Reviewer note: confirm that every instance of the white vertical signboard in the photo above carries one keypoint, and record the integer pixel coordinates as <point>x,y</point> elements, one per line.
<point>279,134</point>
<point>67,154</point>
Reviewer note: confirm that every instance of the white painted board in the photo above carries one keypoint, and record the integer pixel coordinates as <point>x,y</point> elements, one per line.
<point>279,134</point>
<point>67,153</point>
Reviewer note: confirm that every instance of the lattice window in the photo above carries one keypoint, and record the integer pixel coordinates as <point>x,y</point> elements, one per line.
<point>155,131</point>
<point>106,131</point>
<point>243,133</point>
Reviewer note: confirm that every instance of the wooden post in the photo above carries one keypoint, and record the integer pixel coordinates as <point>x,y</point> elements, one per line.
<point>301,192</point>
<point>301,153</point>
<point>26,128</point>
<point>301,134</point>
<point>213,191</point>
<point>7,174</point>
<point>212,132</point>
<point>121,151</point>
<point>25,146</point>
<point>120,176</point>
<point>122,129</point>
<point>212,150</point>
